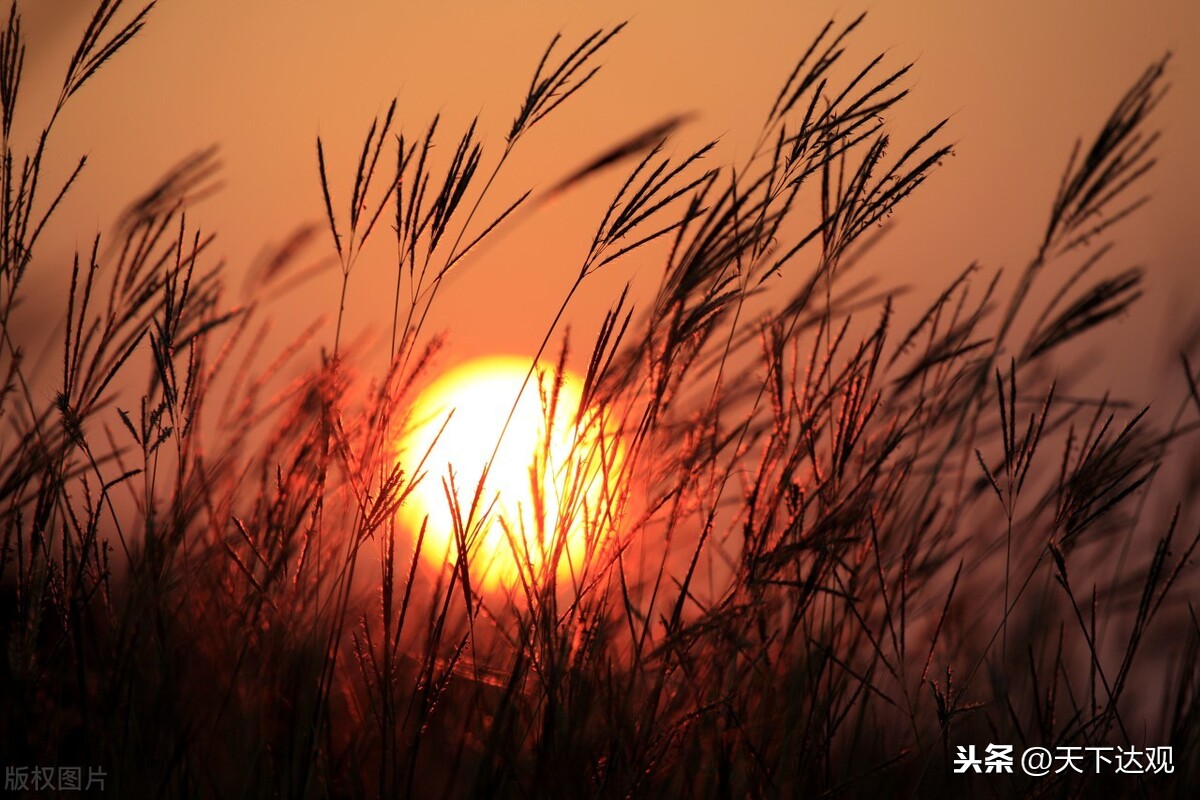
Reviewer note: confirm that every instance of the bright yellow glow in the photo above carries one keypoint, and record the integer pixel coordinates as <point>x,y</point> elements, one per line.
<point>545,500</point>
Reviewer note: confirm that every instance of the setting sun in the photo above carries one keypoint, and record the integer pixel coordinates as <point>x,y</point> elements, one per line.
<point>545,497</point>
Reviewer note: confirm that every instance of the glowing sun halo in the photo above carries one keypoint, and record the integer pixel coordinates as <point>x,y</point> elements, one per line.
<point>544,498</point>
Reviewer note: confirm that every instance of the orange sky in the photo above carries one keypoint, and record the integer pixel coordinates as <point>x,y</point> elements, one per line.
<point>1020,80</point>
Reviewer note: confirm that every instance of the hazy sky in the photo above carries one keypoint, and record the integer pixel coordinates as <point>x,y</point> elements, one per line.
<point>1020,81</point>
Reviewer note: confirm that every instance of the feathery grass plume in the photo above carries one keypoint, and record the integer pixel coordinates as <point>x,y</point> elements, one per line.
<point>552,85</point>
<point>12,60</point>
<point>1116,160</point>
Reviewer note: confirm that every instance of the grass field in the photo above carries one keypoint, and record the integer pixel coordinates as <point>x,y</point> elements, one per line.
<point>814,540</point>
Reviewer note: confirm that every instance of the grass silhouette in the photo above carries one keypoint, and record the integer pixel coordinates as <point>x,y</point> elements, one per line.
<point>831,546</point>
